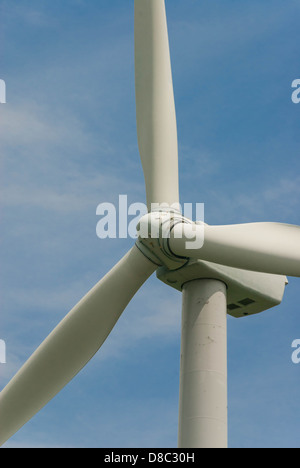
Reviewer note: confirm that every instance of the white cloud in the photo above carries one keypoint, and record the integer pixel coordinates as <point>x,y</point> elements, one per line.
<point>27,14</point>
<point>33,125</point>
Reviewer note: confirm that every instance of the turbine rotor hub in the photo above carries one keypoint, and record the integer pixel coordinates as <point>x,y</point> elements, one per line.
<point>154,230</point>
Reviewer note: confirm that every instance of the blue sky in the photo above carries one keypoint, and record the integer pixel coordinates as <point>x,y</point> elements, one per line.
<point>68,143</point>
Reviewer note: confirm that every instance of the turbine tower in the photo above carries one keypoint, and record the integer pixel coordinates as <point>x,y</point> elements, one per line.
<point>235,269</point>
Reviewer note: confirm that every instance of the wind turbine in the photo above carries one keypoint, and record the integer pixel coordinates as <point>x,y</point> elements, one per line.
<point>239,269</point>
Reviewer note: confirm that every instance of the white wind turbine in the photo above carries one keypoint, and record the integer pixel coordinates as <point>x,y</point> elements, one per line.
<point>238,270</point>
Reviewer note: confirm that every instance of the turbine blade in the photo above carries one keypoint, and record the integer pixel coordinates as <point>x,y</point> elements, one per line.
<point>155,107</point>
<point>72,343</point>
<point>264,247</point>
